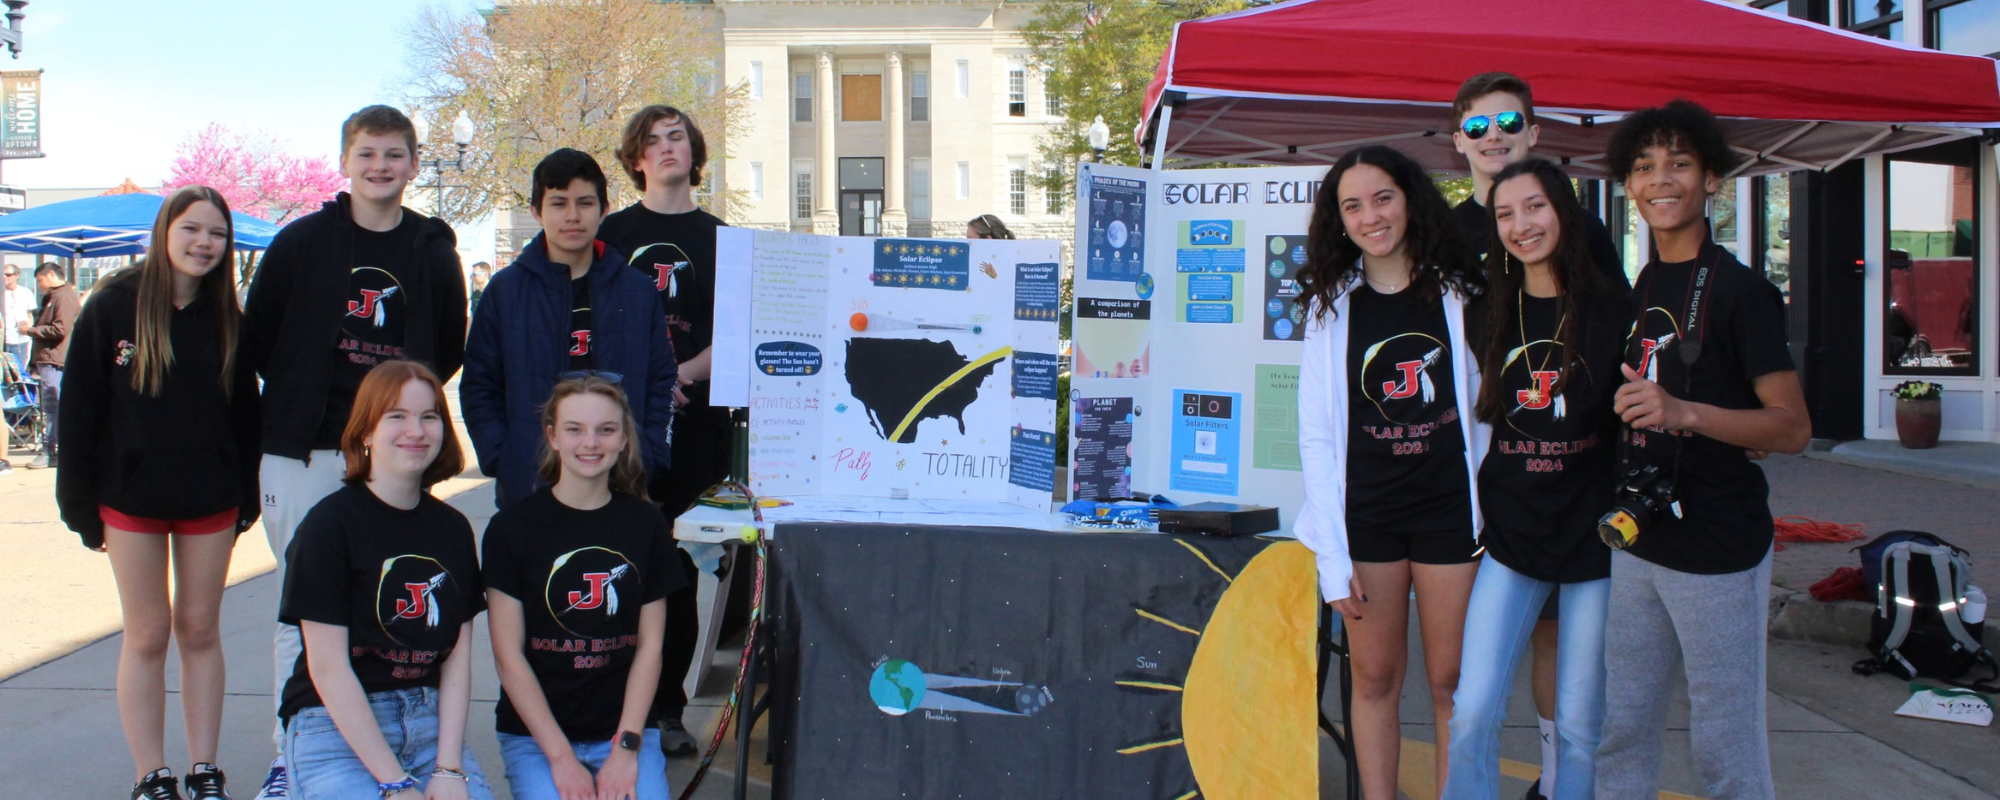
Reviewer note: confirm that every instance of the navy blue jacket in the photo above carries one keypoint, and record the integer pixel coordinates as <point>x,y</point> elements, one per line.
<point>520,345</point>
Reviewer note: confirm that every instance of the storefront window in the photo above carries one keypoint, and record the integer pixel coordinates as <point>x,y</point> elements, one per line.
<point>1969,27</point>
<point>1722,219</point>
<point>1931,325</point>
<point>1777,230</point>
<point>1879,18</point>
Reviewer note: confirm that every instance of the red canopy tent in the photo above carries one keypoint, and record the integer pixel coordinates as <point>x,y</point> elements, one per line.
<point>1301,82</point>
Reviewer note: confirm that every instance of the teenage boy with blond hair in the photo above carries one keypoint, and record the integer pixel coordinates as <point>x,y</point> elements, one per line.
<point>358,282</point>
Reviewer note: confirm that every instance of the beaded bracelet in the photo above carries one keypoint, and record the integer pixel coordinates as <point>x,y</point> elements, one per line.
<point>448,772</point>
<point>388,789</point>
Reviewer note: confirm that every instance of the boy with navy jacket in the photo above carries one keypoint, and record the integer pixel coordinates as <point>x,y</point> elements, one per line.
<point>568,304</point>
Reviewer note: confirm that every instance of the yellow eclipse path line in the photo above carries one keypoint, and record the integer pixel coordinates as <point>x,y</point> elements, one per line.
<point>1167,622</point>
<point>1141,748</point>
<point>1189,796</point>
<point>946,384</point>
<point>1164,687</point>
<point>1204,559</point>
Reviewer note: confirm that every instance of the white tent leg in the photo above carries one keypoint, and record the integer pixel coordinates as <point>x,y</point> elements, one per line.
<point>1160,139</point>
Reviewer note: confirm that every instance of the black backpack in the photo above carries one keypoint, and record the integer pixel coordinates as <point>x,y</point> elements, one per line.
<point>1920,582</point>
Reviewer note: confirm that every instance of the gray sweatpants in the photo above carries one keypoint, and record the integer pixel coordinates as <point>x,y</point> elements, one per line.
<point>1715,625</point>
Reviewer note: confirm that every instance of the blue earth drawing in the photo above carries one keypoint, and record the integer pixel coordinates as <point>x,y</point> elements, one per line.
<point>896,687</point>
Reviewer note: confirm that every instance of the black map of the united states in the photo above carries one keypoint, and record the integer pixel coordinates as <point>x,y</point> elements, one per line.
<point>891,376</point>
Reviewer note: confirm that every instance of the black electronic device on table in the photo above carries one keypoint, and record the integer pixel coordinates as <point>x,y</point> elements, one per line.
<point>1219,519</point>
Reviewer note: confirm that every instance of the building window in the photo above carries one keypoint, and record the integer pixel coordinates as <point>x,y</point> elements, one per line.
<point>1775,246</point>
<point>1722,219</point>
<point>1017,90</point>
<point>757,80</point>
<point>920,96</point>
<point>964,78</point>
<point>920,188</point>
<point>1017,186</point>
<point>964,180</point>
<point>1051,104</point>
<point>1931,325</point>
<point>756,180</point>
<point>802,190</point>
<point>1966,27</point>
<point>1882,19</point>
<point>861,98</point>
<point>802,97</point>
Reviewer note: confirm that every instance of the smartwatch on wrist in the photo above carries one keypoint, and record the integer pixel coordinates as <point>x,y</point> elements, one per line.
<point>628,740</point>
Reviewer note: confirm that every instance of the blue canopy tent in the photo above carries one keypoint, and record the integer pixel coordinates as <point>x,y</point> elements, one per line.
<point>109,225</point>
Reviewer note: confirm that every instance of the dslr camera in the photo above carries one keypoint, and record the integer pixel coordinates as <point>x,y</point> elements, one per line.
<point>1643,493</point>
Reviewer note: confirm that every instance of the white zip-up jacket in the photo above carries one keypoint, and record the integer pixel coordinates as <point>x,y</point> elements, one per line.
<point>1323,389</point>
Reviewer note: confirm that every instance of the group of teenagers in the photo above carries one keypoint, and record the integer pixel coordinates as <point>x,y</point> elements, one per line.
<point>318,405</point>
<point>1475,382</point>
<point>1478,386</point>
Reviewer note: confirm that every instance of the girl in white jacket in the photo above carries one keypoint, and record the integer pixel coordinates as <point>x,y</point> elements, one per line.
<point>1386,392</point>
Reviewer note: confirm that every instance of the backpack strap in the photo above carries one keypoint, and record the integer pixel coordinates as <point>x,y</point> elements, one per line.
<point>1889,600</point>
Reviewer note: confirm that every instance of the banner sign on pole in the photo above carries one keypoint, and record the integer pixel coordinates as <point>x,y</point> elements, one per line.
<point>21,114</point>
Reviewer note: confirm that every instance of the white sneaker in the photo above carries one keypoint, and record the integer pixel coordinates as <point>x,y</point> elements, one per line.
<point>277,785</point>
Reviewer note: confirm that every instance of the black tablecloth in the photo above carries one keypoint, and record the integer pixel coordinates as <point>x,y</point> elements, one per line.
<point>946,662</point>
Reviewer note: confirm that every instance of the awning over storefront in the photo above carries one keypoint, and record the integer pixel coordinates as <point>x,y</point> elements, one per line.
<point>1304,81</point>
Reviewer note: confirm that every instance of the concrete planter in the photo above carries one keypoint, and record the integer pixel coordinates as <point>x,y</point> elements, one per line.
<point>1917,422</point>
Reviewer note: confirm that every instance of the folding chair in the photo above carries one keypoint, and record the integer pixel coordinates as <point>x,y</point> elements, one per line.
<point>1333,645</point>
<point>20,405</point>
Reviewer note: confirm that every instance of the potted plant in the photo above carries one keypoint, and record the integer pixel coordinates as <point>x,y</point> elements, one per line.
<point>1918,414</point>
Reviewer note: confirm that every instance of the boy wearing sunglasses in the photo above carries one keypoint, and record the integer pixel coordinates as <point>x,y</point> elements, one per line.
<point>1496,127</point>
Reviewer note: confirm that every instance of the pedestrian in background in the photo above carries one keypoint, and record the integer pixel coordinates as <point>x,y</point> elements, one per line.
<point>50,332</point>
<point>159,429</point>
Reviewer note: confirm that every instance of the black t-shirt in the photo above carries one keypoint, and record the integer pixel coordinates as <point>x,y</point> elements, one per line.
<point>677,253</point>
<point>1405,448</point>
<point>1476,225</point>
<point>1547,475</point>
<point>1723,495</point>
<point>372,330</point>
<point>579,323</point>
<point>581,577</point>
<point>401,583</point>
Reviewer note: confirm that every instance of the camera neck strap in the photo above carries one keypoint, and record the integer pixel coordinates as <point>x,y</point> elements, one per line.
<point>1692,333</point>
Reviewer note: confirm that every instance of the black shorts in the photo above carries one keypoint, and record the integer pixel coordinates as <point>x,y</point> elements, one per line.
<point>1455,546</point>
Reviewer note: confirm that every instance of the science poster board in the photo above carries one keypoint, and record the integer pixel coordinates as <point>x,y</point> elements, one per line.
<point>1187,333</point>
<point>891,368</point>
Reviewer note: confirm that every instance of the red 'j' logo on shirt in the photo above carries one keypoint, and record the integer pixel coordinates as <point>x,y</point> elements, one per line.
<point>580,343</point>
<point>1542,395</point>
<point>1406,386</point>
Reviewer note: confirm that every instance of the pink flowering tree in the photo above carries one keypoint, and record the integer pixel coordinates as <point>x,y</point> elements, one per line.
<point>254,174</point>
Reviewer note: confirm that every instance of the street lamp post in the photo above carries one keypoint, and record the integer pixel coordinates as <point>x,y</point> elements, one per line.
<point>461,135</point>
<point>1100,137</point>
<point>11,35</point>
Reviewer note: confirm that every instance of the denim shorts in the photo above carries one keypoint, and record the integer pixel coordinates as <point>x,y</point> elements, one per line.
<point>323,767</point>
<point>528,768</point>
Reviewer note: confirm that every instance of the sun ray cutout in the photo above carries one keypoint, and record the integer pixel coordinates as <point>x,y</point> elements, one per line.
<point>1167,622</point>
<point>1164,687</point>
<point>1204,559</point>
<point>1141,748</point>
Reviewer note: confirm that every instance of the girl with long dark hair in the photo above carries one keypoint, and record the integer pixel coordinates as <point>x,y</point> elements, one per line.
<point>1551,330</point>
<point>1386,381</point>
<point>383,581</point>
<point>159,433</point>
<point>585,559</point>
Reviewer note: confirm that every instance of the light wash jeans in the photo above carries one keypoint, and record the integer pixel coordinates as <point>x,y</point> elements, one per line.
<point>323,767</point>
<point>528,768</point>
<point>1498,621</point>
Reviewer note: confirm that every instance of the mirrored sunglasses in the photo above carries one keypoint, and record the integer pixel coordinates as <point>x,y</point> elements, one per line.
<point>1475,127</point>
<point>591,373</point>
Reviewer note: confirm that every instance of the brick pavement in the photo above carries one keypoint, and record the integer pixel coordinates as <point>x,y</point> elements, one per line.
<point>1880,501</point>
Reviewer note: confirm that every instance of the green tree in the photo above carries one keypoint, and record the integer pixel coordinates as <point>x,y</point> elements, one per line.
<point>1097,57</point>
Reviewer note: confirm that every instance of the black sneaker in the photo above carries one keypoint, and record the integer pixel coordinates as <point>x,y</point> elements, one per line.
<point>205,782</point>
<point>1534,790</point>
<point>158,786</point>
<point>675,739</point>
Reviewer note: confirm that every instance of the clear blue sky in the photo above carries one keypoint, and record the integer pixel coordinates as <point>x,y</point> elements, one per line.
<point>126,80</point>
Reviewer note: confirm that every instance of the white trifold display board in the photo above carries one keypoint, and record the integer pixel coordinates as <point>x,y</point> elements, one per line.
<point>891,368</point>
<point>1185,346</point>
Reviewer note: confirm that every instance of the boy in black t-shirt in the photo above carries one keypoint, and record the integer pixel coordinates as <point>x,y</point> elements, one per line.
<point>360,281</point>
<point>1708,379</point>
<point>672,242</point>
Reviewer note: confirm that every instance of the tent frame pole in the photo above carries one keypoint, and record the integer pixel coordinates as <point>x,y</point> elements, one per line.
<point>1160,139</point>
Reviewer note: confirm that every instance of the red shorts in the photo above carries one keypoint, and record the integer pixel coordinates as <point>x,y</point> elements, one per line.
<point>214,523</point>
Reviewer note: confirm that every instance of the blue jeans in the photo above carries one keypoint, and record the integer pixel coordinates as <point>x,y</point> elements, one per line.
<point>323,767</point>
<point>528,768</point>
<point>1498,620</point>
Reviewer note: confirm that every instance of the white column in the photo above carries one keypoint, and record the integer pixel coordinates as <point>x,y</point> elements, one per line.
<point>826,163</point>
<point>895,218</point>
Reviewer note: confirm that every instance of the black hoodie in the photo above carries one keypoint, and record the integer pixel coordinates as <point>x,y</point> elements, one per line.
<point>189,453</point>
<point>292,317</point>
